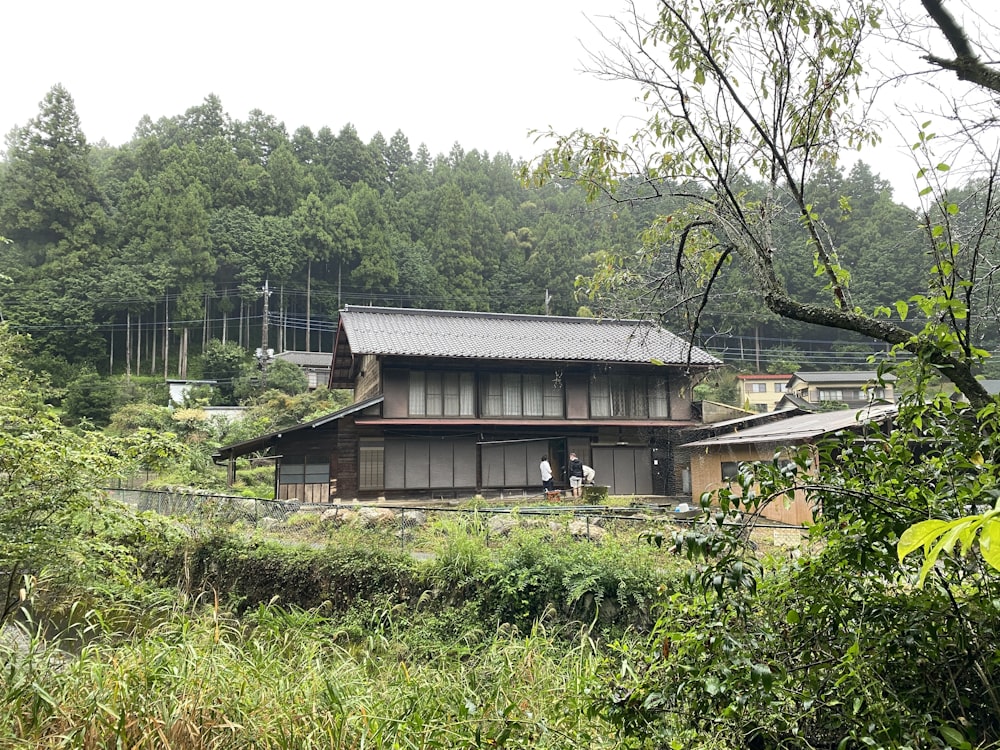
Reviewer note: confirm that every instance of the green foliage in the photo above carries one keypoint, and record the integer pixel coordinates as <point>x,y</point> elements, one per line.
<point>223,362</point>
<point>782,361</point>
<point>49,475</point>
<point>90,398</point>
<point>838,646</point>
<point>751,105</point>
<point>274,410</point>
<point>721,386</point>
<point>293,678</point>
<point>539,573</point>
<point>938,537</point>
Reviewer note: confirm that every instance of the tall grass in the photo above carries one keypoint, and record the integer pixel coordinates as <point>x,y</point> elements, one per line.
<point>280,679</point>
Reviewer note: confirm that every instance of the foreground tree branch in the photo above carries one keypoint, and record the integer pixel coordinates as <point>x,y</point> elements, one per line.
<point>966,64</point>
<point>746,103</point>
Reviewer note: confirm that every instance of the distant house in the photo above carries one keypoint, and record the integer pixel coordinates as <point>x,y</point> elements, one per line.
<point>853,388</point>
<point>178,390</point>
<point>714,461</point>
<point>451,403</point>
<point>992,387</point>
<point>315,365</point>
<point>761,392</point>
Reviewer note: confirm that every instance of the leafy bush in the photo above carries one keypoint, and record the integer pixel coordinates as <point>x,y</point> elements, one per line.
<point>90,398</point>
<point>839,647</point>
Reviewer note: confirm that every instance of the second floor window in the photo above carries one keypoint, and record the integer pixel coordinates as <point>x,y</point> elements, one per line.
<point>758,387</point>
<point>441,394</point>
<point>512,394</point>
<point>849,394</point>
<point>629,396</point>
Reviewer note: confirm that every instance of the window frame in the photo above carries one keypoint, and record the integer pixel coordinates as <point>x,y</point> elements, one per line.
<point>631,396</point>
<point>520,395</point>
<point>298,471</point>
<point>432,393</point>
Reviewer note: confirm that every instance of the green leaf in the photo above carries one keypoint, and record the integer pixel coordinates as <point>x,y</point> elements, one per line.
<point>952,736</point>
<point>762,673</point>
<point>902,309</point>
<point>989,542</point>
<point>920,535</point>
<point>713,686</point>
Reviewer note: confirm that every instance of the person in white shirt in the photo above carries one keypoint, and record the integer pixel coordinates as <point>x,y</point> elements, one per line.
<point>588,474</point>
<point>546,470</point>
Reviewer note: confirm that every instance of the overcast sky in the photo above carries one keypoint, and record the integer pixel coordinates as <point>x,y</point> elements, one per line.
<point>481,74</point>
<point>442,71</point>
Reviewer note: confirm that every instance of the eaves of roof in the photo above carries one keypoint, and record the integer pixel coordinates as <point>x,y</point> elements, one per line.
<point>547,423</point>
<point>264,441</point>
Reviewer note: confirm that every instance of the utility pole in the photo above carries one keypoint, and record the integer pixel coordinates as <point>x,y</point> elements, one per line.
<point>548,298</point>
<point>264,355</point>
<point>263,329</point>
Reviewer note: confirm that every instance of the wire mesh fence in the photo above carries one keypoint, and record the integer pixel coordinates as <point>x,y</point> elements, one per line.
<point>656,523</point>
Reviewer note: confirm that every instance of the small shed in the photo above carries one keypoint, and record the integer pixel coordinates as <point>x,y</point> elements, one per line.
<point>715,460</point>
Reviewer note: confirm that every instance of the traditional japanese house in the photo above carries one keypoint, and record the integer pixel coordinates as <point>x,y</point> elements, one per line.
<point>447,404</point>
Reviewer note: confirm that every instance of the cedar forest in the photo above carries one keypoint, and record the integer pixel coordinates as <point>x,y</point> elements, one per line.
<point>131,258</point>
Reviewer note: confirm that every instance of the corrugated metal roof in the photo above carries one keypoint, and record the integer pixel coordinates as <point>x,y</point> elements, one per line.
<point>442,333</point>
<point>843,376</point>
<point>802,428</point>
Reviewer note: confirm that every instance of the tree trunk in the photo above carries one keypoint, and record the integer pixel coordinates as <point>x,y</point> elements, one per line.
<point>138,345</point>
<point>152,343</point>
<point>182,354</point>
<point>284,319</point>
<point>309,273</point>
<point>204,325</point>
<point>166,337</point>
<point>128,345</point>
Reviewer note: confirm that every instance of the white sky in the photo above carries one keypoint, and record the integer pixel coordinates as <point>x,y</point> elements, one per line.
<point>481,74</point>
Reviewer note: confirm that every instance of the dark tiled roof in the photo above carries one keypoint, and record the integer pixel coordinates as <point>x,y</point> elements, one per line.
<point>790,400</point>
<point>843,376</point>
<point>307,359</point>
<point>438,333</point>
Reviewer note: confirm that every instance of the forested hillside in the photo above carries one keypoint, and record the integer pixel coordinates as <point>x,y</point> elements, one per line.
<point>131,258</point>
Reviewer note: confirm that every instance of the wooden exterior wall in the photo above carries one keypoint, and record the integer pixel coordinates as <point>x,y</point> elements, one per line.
<point>396,390</point>
<point>346,460</point>
<point>706,476</point>
<point>369,380</point>
<point>577,392</point>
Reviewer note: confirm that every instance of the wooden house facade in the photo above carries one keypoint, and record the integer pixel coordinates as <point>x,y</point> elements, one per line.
<point>447,404</point>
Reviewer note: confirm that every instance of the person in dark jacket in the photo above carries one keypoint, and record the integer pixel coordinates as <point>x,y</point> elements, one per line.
<point>575,475</point>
